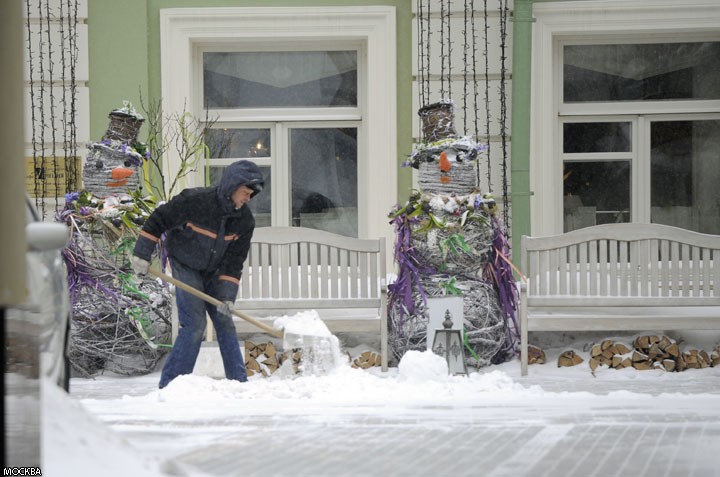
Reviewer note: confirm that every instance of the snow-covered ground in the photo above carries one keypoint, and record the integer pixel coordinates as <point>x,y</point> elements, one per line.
<point>413,420</point>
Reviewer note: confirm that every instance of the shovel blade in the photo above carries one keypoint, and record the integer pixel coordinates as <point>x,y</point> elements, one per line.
<point>320,353</point>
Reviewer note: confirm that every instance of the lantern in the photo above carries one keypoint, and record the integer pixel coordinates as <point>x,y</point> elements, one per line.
<point>448,343</point>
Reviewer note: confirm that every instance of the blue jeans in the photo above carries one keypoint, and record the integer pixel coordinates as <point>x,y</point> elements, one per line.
<point>191,316</point>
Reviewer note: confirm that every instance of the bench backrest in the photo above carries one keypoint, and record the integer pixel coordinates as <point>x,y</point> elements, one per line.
<point>626,263</point>
<point>324,270</point>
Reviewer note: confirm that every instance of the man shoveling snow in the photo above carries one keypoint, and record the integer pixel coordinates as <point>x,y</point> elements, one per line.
<point>208,237</point>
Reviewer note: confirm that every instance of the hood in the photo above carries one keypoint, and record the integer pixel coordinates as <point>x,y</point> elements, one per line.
<point>238,174</point>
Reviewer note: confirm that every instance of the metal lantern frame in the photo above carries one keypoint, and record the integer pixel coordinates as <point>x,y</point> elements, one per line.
<point>448,343</point>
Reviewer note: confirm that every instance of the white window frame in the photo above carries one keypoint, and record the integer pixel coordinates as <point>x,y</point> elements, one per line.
<point>183,30</point>
<point>578,21</point>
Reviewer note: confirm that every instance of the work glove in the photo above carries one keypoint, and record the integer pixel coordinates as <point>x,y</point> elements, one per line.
<point>139,265</point>
<point>225,307</point>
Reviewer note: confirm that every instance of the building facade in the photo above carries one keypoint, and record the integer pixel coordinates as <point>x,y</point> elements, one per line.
<point>595,111</point>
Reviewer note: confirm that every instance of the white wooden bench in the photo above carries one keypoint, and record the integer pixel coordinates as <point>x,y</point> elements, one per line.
<point>294,269</point>
<point>625,277</point>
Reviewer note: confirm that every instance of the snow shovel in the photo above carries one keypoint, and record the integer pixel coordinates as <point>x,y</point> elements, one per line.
<point>321,353</point>
<point>214,301</point>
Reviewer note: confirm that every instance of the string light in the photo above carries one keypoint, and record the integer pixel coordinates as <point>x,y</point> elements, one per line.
<point>44,117</point>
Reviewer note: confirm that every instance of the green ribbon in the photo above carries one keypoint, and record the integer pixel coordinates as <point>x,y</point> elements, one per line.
<point>466,342</point>
<point>136,314</point>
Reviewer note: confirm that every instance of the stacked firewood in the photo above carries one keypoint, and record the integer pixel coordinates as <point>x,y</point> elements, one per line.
<point>265,359</point>
<point>612,354</point>
<point>694,359</point>
<point>656,352</point>
<point>646,352</point>
<point>650,352</point>
<point>715,357</point>
<point>367,359</point>
<point>569,358</point>
<point>535,355</point>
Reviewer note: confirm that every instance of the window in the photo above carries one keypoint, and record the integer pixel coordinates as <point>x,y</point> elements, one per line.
<point>625,119</point>
<point>314,159</point>
<point>308,93</point>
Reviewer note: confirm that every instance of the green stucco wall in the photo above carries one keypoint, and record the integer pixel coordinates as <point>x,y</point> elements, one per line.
<point>118,58</point>
<point>124,51</point>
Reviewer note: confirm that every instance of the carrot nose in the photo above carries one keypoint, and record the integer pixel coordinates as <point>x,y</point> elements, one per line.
<point>444,162</point>
<point>120,177</point>
<point>121,173</point>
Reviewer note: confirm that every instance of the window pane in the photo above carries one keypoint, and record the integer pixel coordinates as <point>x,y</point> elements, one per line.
<point>641,72</point>
<point>685,174</point>
<point>595,193</point>
<point>272,79</point>
<point>324,179</point>
<point>238,143</point>
<point>596,137</point>
<point>261,203</point>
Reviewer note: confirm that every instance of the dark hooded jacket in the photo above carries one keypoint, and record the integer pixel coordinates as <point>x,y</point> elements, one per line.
<point>204,230</point>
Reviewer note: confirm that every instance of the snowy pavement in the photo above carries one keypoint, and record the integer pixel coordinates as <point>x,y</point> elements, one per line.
<point>412,421</point>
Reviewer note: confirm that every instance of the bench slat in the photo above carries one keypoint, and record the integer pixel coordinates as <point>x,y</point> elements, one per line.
<point>685,269</point>
<point>593,285</point>
<point>633,271</point>
<point>706,263</point>
<point>553,270</point>
<point>614,268</point>
<point>344,271</point>
<point>365,272</point>
<point>304,269</point>
<point>323,253</point>
<point>603,266</point>
<point>716,271</point>
<point>674,268</point>
<point>654,267</point>
<point>315,275</point>
<point>623,265</point>
<point>573,269</point>
<point>696,276</point>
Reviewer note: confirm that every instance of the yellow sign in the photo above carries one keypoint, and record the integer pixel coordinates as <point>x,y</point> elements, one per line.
<point>48,177</point>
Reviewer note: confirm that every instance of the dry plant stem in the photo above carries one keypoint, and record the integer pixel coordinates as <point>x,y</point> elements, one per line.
<point>179,131</point>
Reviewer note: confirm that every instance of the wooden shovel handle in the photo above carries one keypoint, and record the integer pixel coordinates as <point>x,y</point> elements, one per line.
<point>214,301</point>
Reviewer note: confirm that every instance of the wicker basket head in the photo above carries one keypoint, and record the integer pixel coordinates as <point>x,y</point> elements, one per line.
<point>100,163</point>
<point>461,179</point>
<point>438,121</point>
<point>123,127</point>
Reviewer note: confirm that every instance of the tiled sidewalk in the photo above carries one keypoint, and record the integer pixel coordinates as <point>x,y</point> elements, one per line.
<point>611,442</point>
